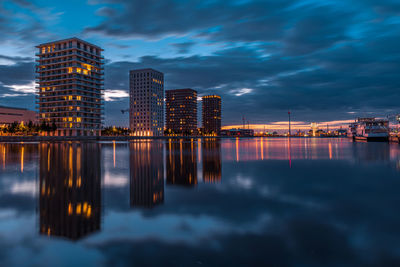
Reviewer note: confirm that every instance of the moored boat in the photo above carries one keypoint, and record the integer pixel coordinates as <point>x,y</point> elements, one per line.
<point>371,129</point>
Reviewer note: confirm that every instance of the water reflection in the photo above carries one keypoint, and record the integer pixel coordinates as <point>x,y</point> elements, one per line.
<point>335,206</point>
<point>146,174</point>
<point>211,159</point>
<point>16,155</point>
<point>181,162</point>
<point>70,189</point>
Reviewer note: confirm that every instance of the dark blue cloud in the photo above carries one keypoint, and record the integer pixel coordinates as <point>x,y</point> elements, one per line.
<point>322,60</point>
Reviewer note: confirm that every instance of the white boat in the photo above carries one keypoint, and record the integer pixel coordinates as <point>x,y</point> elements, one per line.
<point>371,129</point>
<point>351,131</point>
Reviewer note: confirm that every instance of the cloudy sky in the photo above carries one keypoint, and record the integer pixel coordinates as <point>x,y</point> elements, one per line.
<point>324,61</point>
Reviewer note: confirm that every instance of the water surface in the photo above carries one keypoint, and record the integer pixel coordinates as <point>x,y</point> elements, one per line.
<point>247,202</point>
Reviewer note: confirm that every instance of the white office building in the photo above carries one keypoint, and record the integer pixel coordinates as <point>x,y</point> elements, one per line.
<point>146,107</point>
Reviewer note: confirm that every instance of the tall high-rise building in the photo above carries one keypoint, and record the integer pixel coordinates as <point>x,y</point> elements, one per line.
<point>70,91</point>
<point>146,107</point>
<point>181,111</point>
<point>211,114</point>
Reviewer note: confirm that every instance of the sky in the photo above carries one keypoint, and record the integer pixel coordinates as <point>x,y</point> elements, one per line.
<point>326,61</point>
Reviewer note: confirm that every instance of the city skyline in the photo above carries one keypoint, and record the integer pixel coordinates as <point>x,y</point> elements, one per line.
<point>320,68</point>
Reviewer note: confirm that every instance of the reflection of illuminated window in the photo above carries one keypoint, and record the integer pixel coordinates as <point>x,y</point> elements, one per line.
<point>78,208</point>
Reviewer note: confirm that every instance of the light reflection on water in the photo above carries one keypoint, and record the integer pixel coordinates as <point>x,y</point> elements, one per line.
<point>297,202</point>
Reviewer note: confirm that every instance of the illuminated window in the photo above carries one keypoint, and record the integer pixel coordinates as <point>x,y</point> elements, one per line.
<point>78,98</point>
<point>85,72</point>
<point>78,119</point>
<point>70,70</point>
<point>70,119</point>
<point>70,97</point>
<point>78,70</point>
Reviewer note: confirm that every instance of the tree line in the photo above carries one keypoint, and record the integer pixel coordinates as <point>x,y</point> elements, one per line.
<point>27,129</point>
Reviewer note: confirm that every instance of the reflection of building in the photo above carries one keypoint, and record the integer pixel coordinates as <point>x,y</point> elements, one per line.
<point>9,115</point>
<point>211,112</point>
<point>70,189</point>
<point>146,173</point>
<point>181,162</point>
<point>70,77</point>
<point>146,104</point>
<point>211,158</point>
<point>181,111</point>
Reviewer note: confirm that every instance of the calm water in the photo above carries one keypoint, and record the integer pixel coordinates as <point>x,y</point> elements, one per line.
<point>249,202</point>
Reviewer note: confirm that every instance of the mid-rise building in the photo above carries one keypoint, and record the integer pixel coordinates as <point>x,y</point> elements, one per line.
<point>70,86</point>
<point>8,115</point>
<point>146,107</point>
<point>181,111</point>
<point>211,114</point>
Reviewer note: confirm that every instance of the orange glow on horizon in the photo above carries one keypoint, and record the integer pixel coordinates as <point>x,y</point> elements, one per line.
<point>296,125</point>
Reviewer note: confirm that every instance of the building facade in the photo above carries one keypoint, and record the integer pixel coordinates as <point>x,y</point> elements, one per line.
<point>181,111</point>
<point>146,102</point>
<point>9,115</point>
<point>70,86</point>
<point>211,114</point>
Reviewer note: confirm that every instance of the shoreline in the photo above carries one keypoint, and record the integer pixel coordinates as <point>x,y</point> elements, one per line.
<point>4,139</point>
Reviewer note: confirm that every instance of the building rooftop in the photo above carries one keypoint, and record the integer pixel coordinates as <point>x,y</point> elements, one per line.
<point>183,89</point>
<point>69,39</point>
<point>211,96</point>
<point>146,69</point>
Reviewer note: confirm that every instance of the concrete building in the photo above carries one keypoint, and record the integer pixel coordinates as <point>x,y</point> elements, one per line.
<point>211,114</point>
<point>70,91</point>
<point>181,111</point>
<point>9,115</point>
<point>146,104</point>
<point>237,132</point>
